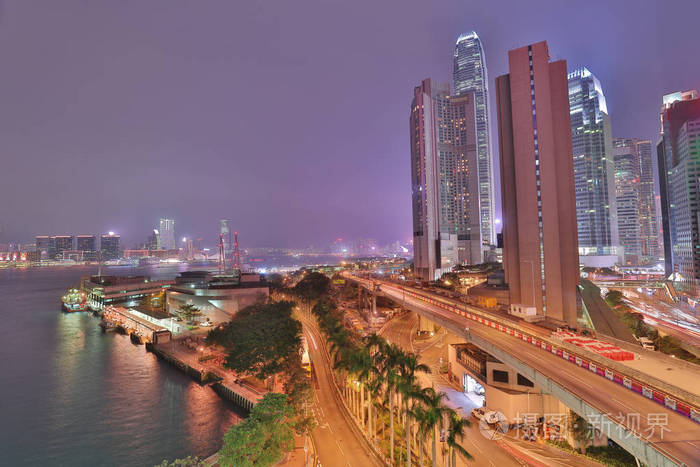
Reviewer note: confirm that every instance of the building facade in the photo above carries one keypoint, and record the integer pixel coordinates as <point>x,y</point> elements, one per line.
<point>110,246</point>
<point>678,153</point>
<point>444,180</point>
<point>88,245</point>
<point>594,167</point>
<point>62,244</point>
<point>167,234</point>
<point>540,254</point>
<point>45,246</point>
<point>628,197</point>
<point>470,76</point>
<point>644,179</point>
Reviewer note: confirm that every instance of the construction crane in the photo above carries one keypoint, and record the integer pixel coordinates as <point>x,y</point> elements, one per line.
<point>236,253</point>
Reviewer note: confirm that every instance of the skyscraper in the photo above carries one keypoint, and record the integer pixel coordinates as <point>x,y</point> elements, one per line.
<point>470,76</point>
<point>678,154</point>
<point>540,255</point>
<point>109,246</point>
<point>644,180</point>
<point>628,197</point>
<point>594,167</point>
<point>444,180</point>
<point>167,234</point>
<point>154,240</point>
<point>225,232</point>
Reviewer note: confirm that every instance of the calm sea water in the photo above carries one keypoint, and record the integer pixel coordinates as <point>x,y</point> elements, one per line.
<point>72,396</point>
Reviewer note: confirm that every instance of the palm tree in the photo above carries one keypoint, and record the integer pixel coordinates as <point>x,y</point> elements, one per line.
<point>390,368</point>
<point>419,413</point>
<point>456,430</point>
<point>357,361</point>
<point>374,344</point>
<point>433,416</point>
<point>409,366</point>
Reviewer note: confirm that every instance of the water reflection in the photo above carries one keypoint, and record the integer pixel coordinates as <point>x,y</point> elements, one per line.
<point>70,395</point>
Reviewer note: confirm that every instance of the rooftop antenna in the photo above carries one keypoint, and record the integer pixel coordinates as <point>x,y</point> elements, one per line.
<point>236,253</point>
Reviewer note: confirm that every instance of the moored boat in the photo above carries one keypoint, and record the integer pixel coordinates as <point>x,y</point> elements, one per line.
<point>74,300</point>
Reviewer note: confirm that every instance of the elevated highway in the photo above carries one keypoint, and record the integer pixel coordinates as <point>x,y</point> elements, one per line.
<point>658,435</point>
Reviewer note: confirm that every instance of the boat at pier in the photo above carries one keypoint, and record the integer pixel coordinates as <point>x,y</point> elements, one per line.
<point>74,300</point>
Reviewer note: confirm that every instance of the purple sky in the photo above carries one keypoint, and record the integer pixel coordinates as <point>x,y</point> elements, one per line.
<point>289,117</point>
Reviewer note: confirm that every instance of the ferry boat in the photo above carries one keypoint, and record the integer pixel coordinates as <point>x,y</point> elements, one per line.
<point>74,300</point>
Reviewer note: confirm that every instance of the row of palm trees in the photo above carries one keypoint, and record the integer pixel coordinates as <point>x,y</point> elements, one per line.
<point>380,381</point>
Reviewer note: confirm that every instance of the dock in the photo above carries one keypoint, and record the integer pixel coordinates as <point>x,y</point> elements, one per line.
<point>223,382</point>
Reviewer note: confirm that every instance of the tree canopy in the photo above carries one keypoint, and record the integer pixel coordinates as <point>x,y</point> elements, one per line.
<point>262,438</point>
<point>261,340</point>
<point>313,286</point>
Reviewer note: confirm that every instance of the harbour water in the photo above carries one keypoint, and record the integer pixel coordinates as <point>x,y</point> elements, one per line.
<point>73,396</point>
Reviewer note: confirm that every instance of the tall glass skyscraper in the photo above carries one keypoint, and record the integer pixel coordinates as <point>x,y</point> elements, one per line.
<point>594,167</point>
<point>470,76</point>
<point>634,174</point>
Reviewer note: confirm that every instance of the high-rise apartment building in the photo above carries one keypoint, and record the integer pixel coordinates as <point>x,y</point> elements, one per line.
<point>87,244</point>
<point>594,168</point>
<point>644,180</point>
<point>109,246</point>
<point>678,153</point>
<point>470,76</point>
<point>540,254</point>
<point>444,180</point>
<point>167,234</point>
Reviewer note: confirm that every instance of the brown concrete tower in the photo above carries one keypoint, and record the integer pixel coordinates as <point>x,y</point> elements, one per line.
<point>540,250</point>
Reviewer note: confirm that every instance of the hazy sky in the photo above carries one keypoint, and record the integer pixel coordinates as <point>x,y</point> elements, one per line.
<point>288,116</point>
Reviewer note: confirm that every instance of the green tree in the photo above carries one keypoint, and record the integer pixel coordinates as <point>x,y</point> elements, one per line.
<point>189,311</point>
<point>580,431</point>
<point>186,462</point>
<point>614,298</point>
<point>261,439</point>
<point>409,367</point>
<point>434,416</point>
<point>261,340</point>
<point>312,287</point>
<point>457,424</point>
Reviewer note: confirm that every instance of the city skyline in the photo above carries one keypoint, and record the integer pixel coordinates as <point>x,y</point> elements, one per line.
<point>164,129</point>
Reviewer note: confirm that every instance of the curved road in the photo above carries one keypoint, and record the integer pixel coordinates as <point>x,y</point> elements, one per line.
<point>336,436</point>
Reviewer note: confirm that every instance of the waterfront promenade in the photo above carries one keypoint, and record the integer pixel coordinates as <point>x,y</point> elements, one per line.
<point>187,354</point>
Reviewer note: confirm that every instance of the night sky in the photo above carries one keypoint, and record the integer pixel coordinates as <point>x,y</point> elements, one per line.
<point>289,117</point>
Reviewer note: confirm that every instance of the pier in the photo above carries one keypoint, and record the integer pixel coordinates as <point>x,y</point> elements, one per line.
<point>224,383</point>
<point>147,330</point>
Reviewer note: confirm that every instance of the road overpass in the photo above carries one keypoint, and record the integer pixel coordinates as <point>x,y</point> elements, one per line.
<point>624,409</point>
